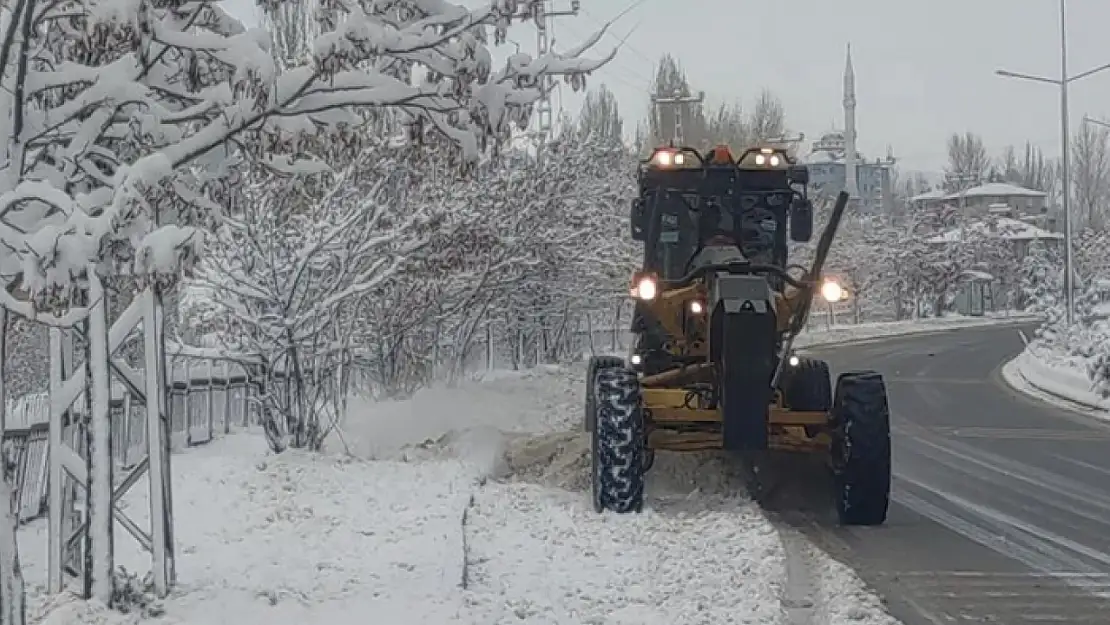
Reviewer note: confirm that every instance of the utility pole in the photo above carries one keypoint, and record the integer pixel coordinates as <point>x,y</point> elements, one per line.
<point>676,101</point>
<point>545,20</point>
<point>1062,83</point>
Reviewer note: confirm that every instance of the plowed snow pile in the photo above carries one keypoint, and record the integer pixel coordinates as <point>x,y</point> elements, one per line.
<point>700,552</point>
<point>558,460</point>
<point>475,415</point>
<point>545,558</point>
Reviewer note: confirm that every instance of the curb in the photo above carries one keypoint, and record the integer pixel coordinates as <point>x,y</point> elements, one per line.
<point>918,331</point>
<point>1023,383</point>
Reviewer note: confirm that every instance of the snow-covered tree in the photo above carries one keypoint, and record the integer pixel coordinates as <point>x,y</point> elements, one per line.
<point>570,238</point>
<point>861,258</point>
<point>740,128</point>
<point>293,267</point>
<point>1091,175</point>
<point>1091,250</point>
<point>124,122</point>
<point>1040,279</point>
<point>601,118</point>
<point>1029,168</point>
<point>967,160</point>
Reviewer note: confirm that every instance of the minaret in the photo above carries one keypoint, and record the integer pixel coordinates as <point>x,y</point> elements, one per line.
<point>851,183</point>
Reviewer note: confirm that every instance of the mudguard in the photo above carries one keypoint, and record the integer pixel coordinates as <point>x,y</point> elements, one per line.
<point>742,345</point>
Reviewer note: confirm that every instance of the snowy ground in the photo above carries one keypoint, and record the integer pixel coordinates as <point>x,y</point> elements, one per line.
<point>469,506</point>
<point>292,539</point>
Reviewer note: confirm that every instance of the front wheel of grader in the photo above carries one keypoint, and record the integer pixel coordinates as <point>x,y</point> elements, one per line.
<point>596,363</point>
<point>861,448</point>
<point>618,442</point>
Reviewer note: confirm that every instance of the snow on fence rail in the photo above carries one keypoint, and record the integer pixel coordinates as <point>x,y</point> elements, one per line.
<point>207,397</point>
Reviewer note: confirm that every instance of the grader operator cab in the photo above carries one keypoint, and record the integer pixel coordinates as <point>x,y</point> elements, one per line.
<point>717,308</point>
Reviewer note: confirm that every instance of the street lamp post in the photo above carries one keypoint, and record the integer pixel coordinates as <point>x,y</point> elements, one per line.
<point>1065,158</point>
<point>832,292</point>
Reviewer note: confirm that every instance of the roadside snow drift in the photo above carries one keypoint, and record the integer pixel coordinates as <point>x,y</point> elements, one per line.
<point>1056,378</point>
<point>547,558</point>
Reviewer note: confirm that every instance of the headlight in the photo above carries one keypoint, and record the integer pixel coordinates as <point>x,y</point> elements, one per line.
<point>793,360</point>
<point>697,307</point>
<point>668,158</point>
<point>831,291</point>
<point>636,360</point>
<point>775,161</point>
<point>760,159</point>
<point>646,289</point>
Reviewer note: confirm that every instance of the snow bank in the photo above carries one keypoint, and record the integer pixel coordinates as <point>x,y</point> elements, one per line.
<point>293,539</point>
<point>1054,377</point>
<point>869,331</point>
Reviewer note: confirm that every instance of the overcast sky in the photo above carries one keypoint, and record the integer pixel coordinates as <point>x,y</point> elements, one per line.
<point>924,69</point>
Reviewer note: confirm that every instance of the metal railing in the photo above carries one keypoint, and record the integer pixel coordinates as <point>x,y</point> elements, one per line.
<point>207,397</point>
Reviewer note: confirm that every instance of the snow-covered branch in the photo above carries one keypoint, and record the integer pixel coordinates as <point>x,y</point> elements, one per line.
<point>122,116</point>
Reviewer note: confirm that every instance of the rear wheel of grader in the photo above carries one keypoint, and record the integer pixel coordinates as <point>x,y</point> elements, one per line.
<point>617,443</point>
<point>861,448</point>
<point>807,386</point>
<point>596,363</point>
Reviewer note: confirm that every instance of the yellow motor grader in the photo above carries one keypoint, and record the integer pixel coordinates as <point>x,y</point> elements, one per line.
<point>717,308</point>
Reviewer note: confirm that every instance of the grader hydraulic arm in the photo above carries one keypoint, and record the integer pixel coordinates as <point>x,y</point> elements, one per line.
<point>800,301</point>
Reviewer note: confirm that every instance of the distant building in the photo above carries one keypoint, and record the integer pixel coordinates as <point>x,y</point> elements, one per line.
<point>999,199</point>
<point>836,165</point>
<point>828,173</point>
<point>929,199</point>
<point>1019,233</point>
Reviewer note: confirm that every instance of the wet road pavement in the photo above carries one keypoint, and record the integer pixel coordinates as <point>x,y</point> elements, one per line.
<point>1001,503</point>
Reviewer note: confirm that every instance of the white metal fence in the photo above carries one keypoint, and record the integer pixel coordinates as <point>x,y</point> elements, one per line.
<point>207,398</point>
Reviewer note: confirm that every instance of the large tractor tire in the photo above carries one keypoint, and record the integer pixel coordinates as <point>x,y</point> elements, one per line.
<point>617,443</point>
<point>596,363</point>
<point>807,387</point>
<point>861,448</point>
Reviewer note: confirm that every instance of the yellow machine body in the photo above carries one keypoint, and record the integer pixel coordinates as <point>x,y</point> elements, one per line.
<point>674,417</point>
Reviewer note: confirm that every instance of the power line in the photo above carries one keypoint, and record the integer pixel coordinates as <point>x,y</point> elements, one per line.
<point>619,62</point>
<point>624,41</point>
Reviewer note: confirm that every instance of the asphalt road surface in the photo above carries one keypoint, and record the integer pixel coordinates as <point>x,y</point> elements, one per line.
<point>1001,503</point>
